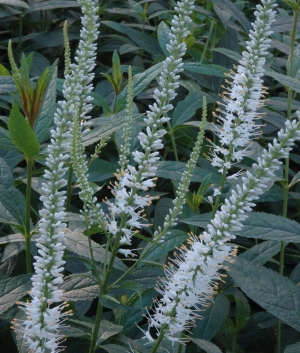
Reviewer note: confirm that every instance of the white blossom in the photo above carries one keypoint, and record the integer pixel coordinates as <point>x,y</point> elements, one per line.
<point>42,326</point>
<point>244,96</point>
<point>192,276</point>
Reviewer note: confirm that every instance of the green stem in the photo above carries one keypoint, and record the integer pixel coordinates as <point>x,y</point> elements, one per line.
<point>173,141</point>
<point>69,188</point>
<point>286,172</point>
<point>96,328</point>
<point>27,219</point>
<point>159,340</point>
<point>207,41</point>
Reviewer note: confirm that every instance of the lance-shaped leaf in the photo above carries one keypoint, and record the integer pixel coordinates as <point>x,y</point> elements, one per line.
<point>22,135</point>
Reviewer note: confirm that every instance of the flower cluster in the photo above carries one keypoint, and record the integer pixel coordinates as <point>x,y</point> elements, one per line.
<point>133,180</point>
<point>191,277</point>
<point>243,98</point>
<point>41,328</point>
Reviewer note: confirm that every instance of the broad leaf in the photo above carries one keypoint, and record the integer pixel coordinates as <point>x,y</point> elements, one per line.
<point>7,84</point>
<point>174,170</point>
<point>13,289</point>
<point>78,243</point>
<point>142,39</point>
<point>52,4</point>
<point>113,348</point>
<point>294,348</point>
<point>14,3</point>
<point>163,32</point>
<point>186,109</point>
<point>209,69</point>
<point>80,287</point>
<point>207,346</point>
<point>6,142</point>
<point>107,329</point>
<point>212,318</point>
<point>22,135</point>
<point>273,292</point>
<point>261,253</point>
<point>12,202</point>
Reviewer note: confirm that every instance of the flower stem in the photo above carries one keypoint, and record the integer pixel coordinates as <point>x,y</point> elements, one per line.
<point>287,162</point>
<point>27,220</point>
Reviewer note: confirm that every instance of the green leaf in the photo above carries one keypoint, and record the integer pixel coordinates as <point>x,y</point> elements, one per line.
<point>174,170</point>
<point>285,80</point>
<point>273,292</point>
<point>45,116</point>
<point>186,109</point>
<point>13,289</point>
<point>7,84</point>
<point>101,170</point>
<point>230,7</point>
<point>77,326</point>
<point>116,70</point>
<point>242,314</point>
<point>6,142</point>
<point>133,286</point>
<point>174,238</point>
<point>113,348</point>
<point>139,83</point>
<point>12,202</point>
<point>296,68</point>
<point>230,53</point>
<point>111,303</point>
<point>14,3</point>
<point>106,330</point>
<point>22,135</point>
<point>52,4</point>
<point>294,6</point>
<point>145,41</point>
<point>212,318</point>
<point>210,69</point>
<point>207,346</point>
<point>261,253</point>
<point>295,180</point>
<point>163,32</point>
<point>294,348</point>
<point>80,287</point>
<point>78,243</point>
<point>266,226</point>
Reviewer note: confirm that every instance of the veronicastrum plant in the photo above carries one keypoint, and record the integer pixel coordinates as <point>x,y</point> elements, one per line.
<point>78,254</point>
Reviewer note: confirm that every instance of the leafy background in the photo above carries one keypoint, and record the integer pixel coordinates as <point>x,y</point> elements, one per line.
<point>242,317</point>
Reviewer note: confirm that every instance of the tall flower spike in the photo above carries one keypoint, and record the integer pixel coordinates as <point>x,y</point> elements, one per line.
<point>133,180</point>
<point>42,326</point>
<point>244,96</point>
<point>192,276</point>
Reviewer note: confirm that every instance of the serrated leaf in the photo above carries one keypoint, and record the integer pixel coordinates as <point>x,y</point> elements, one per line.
<point>79,287</point>
<point>242,314</point>
<point>174,170</point>
<point>212,318</point>
<point>207,346</point>
<point>22,135</point>
<point>208,69</point>
<point>13,289</point>
<point>260,225</point>
<point>285,80</point>
<point>45,116</point>
<point>294,348</point>
<point>163,32</point>
<point>106,330</point>
<point>186,109</point>
<point>78,243</point>
<point>261,253</point>
<point>12,202</point>
<point>273,292</point>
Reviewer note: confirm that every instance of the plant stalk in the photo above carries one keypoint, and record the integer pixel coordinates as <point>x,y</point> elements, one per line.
<point>27,219</point>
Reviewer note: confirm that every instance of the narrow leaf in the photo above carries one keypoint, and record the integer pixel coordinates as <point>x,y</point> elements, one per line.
<point>107,329</point>
<point>207,346</point>
<point>211,69</point>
